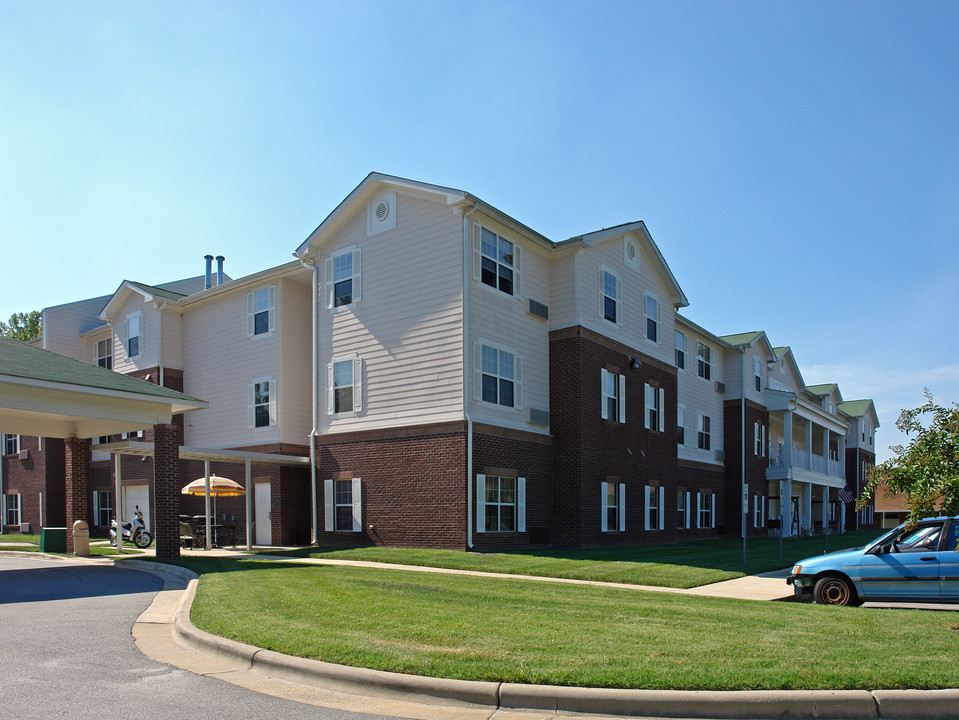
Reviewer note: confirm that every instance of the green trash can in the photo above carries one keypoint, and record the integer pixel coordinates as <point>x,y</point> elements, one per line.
<point>53,540</point>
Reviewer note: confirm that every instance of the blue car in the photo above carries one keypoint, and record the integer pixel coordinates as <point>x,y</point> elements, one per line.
<point>920,564</point>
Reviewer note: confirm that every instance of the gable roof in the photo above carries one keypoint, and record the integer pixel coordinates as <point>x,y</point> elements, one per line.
<point>747,338</point>
<point>858,408</point>
<point>822,390</point>
<point>786,352</point>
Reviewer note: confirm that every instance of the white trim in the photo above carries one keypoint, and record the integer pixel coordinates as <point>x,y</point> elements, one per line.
<point>480,503</point>
<point>272,393</point>
<point>356,370</point>
<point>478,374</point>
<point>357,498</point>
<point>646,317</point>
<point>251,311</point>
<point>618,300</point>
<point>328,510</point>
<point>622,507</point>
<point>520,504</point>
<point>355,277</point>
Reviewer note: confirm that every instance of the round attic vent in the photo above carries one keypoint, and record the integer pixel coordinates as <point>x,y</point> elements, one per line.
<point>382,210</point>
<point>631,251</point>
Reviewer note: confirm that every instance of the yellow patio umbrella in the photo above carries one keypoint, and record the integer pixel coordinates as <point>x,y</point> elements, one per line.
<point>219,487</point>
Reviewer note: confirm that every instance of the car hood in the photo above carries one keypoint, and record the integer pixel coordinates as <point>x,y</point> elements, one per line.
<point>831,560</point>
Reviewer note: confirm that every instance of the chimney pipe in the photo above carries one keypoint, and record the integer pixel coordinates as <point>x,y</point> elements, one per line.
<point>209,269</point>
<point>219,269</point>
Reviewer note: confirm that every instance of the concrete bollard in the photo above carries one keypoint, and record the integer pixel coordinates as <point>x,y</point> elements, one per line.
<point>81,539</point>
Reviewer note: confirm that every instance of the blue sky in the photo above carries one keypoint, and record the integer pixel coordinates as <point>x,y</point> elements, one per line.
<point>797,163</point>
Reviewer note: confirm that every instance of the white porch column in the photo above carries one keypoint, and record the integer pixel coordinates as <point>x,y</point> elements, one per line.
<point>825,508</point>
<point>786,506</point>
<point>808,447</point>
<point>787,440</point>
<point>842,456</point>
<point>806,521</point>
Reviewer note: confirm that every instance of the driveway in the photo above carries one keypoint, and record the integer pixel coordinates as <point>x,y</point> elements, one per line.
<point>68,652</point>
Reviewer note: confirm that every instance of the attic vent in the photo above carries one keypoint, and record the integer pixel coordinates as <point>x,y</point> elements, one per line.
<point>630,254</point>
<point>382,210</point>
<point>538,309</point>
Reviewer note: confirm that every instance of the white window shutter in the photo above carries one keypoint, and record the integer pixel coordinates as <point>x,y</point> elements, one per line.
<point>96,508</point>
<point>357,505</point>
<point>622,398</point>
<point>357,277</point>
<point>699,520</point>
<point>272,391</point>
<point>648,405</point>
<point>662,507</point>
<point>622,507</point>
<point>602,295</point>
<point>477,371</point>
<point>329,282</point>
<point>517,270</point>
<point>604,407</point>
<point>250,407</point>
<point>712,510</point>
<point>272,308</point>
<point>646,490</point>
<point>521,504</point>
<point>603,524</point>
<point>517,381</point>
<point>477,252</point>
<point>328,504</point>
<point>330,390</point>
<point>662,410</point>
<point>357,384</point>
<point>249,315</point>
<point>688,518</point>
<point>481,503</point>
<point>620,305</point>
<point>763,441</point>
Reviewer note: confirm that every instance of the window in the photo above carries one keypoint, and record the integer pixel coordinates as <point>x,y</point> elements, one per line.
<point>652,318</point>
<point>12,509</point>
<point>344,385</point>
<point>703,361</point>
<point>102,508</point>
<point>609,296</point>
<point>133,328</point>
<point>682,510</point>
<point>343,505</point>
<point>261,311</point>
<point>758,374</point>
<point>343,278</point>
<point>136,434</point>
<point>680,350</point>
<point>707,505</point>
<point>759,439</point>
<point>613,516</point>
<point>655,497</point>
<point>105,354</point>
<point>655,404</point>
<point>614,396</point>
<point>680,425</point>
<point>498,380</point>
<point>500,504</point>
<point>702,432</point>
<point>498,266</point>
<point>262,403</point>
<point>759,511</point>
<point>11,444</point>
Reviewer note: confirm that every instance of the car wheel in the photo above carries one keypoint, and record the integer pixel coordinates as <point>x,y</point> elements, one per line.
<point>835,591</point>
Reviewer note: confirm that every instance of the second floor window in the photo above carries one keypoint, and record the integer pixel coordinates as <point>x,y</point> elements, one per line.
<point>614,396</point>
<point>497,261</point>
<point>134,330</point>
<point>655,402</point>
<point>498,377</point>
<point>759,437</point>
<point>11,444</point>
<point>344,378</point>
<point>703,432</point>
<point>610,297</point>
<point>652,318</point>
<point>758,374</point>
<point>680,425</point>
<point>105,354</point>
<point>262,403</point>
<point>680,350</point>
<point>703,361</point>
<point>261,311</point>
<point>343,278</point>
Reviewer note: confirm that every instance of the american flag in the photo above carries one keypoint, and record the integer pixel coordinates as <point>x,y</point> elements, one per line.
<point>846,495</point>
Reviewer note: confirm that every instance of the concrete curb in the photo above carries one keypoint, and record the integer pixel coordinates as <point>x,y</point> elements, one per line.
<point>689,704</point>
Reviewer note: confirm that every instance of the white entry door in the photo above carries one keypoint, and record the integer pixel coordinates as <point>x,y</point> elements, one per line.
<point>261,513</point>
<point>137,495</point>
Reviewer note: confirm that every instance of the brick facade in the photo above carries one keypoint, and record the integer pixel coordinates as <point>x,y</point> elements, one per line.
<point>76,467</point>
<point>38,477</point>
<point>854,459</point>
<point>166,489</point>
<point>756,464</point>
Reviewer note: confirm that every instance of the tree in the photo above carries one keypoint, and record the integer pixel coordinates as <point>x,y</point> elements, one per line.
<point>23,326</point>
<point>926,470</point>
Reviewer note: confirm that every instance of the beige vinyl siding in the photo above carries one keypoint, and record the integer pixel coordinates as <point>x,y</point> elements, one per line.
<point>631,331</point>
<point>295,315</point>
<point>781,372</point>
<point>172,329</point>
<point>63,325</point>
<point>147,357</point>
<point>563,273</point>
<point>407,328</point>
<point>505,322</point>
<point>699,396</point>
<point>220,361</point>
<point>732,374</point>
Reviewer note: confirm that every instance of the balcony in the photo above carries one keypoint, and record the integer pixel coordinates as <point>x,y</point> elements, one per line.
<point>818,468</point>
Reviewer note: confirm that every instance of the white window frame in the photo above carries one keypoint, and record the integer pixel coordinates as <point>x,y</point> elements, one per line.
<point>679,340</point>
<point>757,375</point>
<point>513,265</point>
<point>252,403</point>
<point>620,494</point>
<point>704,427</point>
<point>683,437</point>
<point>355,277</point>
<point>653,512</point>
<point>759,439</point>
<point>519,504</point>
<point>127,337</point>
<point>647,297</point>
<point>683,509</point>
<point>104,360</point>
<point>102,504</point>
<point>617,383</point>
<point>479,371</point>
<point>705,510</point>
<point>7,509</point>
<point>655,415</point>
<point>704,360</point>
<point>356,502</point>
<point>617,298</point>
<point>135,435</point>
<point>267,297</point>
<point>357,368</point>
<point>759,510</point>
<point>11,441</point>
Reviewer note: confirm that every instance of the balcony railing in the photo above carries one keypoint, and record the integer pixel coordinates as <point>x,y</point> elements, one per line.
<point>808,461</point>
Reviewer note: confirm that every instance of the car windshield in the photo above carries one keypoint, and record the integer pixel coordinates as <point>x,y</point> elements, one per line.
<point>923,537</point>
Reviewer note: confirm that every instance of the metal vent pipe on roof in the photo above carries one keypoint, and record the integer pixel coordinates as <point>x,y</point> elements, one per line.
<point>209,270</point>
<point>219,269</point>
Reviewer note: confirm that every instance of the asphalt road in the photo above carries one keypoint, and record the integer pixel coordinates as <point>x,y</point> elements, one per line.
<point>66,651</point>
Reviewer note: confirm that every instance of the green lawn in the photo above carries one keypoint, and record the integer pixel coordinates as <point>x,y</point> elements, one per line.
<point>681,565</point>
<point>529,632</point>
<point>14,542</point>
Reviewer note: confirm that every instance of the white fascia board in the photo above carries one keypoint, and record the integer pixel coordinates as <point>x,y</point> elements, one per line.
<point>686,322</point>
<point>118,297</point>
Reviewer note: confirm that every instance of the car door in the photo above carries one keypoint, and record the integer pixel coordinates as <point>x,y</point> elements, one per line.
<point>949,564</point>
<point>905,567</point>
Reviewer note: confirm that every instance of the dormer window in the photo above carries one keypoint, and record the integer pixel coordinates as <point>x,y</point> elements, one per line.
<point>133,330</point>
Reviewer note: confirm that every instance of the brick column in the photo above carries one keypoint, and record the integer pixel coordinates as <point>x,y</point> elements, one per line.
<point>166,488</point>
<point>76,466</point>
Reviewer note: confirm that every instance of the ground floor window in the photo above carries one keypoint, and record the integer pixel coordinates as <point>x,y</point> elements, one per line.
<point>682,510</point>
<point>12,512</point>
<point>343,500</point>
<point>759,511</point>
<point>707,510</point>
<point>102,508</point>
<point>866,515</point>
<point>654,507</point>
<point>501,503</point>
<point>613,516</point>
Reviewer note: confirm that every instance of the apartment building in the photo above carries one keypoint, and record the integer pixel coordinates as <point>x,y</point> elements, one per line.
<point>461,381</point>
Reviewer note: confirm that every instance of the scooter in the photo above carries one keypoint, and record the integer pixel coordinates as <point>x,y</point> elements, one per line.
<point>134,531</point>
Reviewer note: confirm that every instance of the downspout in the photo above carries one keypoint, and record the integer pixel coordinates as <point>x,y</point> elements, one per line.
<point>160,307</point>
<point>744,495</point>
<point>316,388</point>
<point>467,258</point>
<point>3,497</point>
